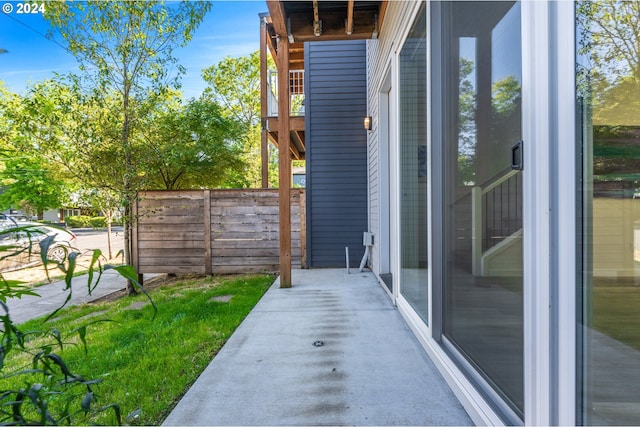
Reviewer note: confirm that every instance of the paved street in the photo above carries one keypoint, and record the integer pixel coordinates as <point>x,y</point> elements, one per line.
<point>52,295</point>
<point>89,239</point>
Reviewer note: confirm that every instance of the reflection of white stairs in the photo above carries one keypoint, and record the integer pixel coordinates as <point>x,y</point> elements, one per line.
<point>503,259</point>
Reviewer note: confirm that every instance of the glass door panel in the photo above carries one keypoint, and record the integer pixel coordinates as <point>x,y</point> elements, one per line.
<point>482,195</point>
<point>413,167</point>
<point>608,79</point>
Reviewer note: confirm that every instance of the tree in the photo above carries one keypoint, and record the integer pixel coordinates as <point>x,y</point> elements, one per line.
<point>609,70</point>
<point>190,146</point>
<point>29,181</point>
<point>30,184</point>
<point>235,84</point>
<point>126,47</point>
<point>108,203</point>
<point>466,121</point>
<point>610,36</point>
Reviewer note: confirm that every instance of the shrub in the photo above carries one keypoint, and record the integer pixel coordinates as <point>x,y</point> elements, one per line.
<point>98,222</point>
<point>78,221</point>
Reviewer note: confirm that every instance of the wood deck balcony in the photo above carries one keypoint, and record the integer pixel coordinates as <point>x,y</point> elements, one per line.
<point>283,32</point>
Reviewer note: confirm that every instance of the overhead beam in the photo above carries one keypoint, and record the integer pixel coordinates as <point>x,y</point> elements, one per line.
<point>349,24</point>
<point>295,153</point>
<point>296,124</point>
<point>365,22</point>
<point>298,141</point>
<point>317,24</point>
<point>278,17</point>
<point>383,10</point>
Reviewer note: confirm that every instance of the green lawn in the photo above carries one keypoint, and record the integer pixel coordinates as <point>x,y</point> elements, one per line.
<point>147,363</point>
<point>616,313</point>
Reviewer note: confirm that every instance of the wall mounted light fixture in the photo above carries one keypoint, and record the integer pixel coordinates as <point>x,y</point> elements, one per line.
<point>367,122</point>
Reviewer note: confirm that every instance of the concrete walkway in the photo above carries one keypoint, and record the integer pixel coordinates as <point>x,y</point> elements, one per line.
<point>332,350</point>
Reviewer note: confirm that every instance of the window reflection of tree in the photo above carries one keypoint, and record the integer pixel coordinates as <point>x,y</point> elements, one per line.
<point>608,84</point>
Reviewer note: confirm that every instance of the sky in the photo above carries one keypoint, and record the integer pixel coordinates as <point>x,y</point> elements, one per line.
<point>231,28</point>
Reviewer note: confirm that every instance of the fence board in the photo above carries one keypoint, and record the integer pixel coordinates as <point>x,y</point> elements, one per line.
<point>214,231</point>
<point>171,244</point>
<point>163,228</point>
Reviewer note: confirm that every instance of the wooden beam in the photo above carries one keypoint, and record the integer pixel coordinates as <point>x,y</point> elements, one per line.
<point>317,24</point>
<point>296,123</point>
<point>295,154</point>
<point>271,37</point>
<point>383,10</point>
<point>333,25</point>
<point>349,24</point>
<point>278,17</point>
<point>284,162</point>
<point>264,141</point>
<point>298,143</point>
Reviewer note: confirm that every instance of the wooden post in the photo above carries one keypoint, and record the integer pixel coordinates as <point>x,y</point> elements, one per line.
<point>207,232</point>
<point>303,228</point>
<point>264,102</point>
<point>284,163</point>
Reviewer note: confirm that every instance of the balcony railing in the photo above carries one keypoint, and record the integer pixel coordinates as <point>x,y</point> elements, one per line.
<point>296,90</point>
<point>496,216</point>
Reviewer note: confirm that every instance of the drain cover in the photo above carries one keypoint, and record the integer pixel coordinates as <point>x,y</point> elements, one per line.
<point>318,343</point>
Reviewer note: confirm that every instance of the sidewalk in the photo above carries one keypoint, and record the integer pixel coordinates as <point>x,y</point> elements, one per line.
<point>52,296</point>
<point>332,350</point>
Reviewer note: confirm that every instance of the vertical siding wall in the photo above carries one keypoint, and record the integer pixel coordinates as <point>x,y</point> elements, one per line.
<point>336,104</point>
<point>397,22</point>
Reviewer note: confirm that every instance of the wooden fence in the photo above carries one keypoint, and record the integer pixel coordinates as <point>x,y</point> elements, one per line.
<point>214,231</point>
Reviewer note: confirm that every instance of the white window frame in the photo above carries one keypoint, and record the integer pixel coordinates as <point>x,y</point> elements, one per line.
<point>548,32</point>
<point>415,321</point>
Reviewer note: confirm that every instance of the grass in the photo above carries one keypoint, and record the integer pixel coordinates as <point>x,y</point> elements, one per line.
<point>616,313</point>
<point>147,363</point>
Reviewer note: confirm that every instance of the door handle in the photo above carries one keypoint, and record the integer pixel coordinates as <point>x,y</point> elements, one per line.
<point>517,156</point>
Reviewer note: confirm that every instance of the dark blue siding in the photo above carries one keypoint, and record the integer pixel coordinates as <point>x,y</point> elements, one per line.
<point>336,104</point>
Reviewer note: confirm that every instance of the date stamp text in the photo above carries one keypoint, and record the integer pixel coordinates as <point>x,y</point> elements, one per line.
<point>24,8</point>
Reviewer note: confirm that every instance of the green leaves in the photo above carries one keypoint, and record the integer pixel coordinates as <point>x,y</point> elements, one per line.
<point>235,84</point>
<point>53,400</point>
<point>129,273</point>
<point>190,145</point>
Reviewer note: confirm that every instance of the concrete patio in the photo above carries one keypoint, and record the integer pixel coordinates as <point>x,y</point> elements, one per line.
<point>331,350</point>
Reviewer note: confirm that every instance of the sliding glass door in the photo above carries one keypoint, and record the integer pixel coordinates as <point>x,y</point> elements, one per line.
<point>413,167</point>
<point>477,78</point>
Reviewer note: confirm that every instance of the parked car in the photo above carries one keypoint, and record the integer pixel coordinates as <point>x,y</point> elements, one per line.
<point>21,243</point>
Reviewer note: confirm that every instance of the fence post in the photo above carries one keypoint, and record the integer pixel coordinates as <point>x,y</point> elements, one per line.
<point>207,232</point>
<point>303,229</point>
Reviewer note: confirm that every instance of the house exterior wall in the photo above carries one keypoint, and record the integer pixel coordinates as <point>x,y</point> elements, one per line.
<point>577,250</point>
<point>336,156</point>
<point>379,70</point>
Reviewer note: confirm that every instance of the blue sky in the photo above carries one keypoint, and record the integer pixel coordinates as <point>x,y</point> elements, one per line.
<point>231,28</point>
